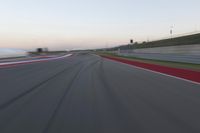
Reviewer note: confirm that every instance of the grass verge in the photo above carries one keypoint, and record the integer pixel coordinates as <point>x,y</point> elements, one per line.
<point>188,66</point>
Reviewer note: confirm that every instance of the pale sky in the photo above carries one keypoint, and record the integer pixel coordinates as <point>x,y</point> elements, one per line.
<point>82,24</point>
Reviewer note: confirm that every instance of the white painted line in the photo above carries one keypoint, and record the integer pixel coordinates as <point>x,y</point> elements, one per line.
<point>159,73</point>
<point>32,61</point>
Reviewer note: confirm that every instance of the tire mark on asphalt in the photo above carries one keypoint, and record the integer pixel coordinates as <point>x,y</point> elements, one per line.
<point>6,104</point>
<point>51,120</point>
<point>117,104</point>
<point>5,122</point>
<point>162,111</point>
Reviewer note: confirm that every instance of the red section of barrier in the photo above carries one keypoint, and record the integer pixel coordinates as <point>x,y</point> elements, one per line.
<point>181,73</point>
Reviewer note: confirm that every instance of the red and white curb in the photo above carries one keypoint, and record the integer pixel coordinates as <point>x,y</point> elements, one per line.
<point>8,64</point>
<point>187,75</point>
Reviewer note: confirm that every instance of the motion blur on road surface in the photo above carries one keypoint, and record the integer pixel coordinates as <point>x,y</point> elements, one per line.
<point>99,66</point>
<point>86,93</point>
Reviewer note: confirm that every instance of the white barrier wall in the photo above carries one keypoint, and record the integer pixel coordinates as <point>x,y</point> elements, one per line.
<point>9,53</point>
<point>183,49</point>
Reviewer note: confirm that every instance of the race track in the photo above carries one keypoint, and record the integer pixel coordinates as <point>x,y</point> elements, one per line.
<point>85,93</point>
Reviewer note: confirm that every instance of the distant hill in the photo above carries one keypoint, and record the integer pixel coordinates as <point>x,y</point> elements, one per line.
<point>183,40</point>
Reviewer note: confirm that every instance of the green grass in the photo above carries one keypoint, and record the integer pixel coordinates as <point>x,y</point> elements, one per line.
<point>173,64</point>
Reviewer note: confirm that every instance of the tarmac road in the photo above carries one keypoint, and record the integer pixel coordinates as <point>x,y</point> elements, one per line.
<point>88,94</point>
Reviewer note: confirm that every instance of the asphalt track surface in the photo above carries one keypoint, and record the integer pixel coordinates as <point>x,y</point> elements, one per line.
<point>88,94</point>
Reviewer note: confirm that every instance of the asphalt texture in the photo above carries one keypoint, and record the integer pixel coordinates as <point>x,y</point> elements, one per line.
<point>194,59</point>
<point>85,93</point>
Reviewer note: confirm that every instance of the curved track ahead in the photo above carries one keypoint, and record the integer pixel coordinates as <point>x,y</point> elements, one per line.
<point>88,94</point>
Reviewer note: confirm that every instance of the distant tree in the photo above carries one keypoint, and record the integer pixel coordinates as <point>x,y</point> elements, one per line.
<point>144,42</point>
<point>39,50</point>
<point>131,41</point>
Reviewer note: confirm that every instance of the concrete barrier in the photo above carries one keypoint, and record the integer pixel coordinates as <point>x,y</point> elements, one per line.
<point>183,50</point>
<point>184,53</point>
